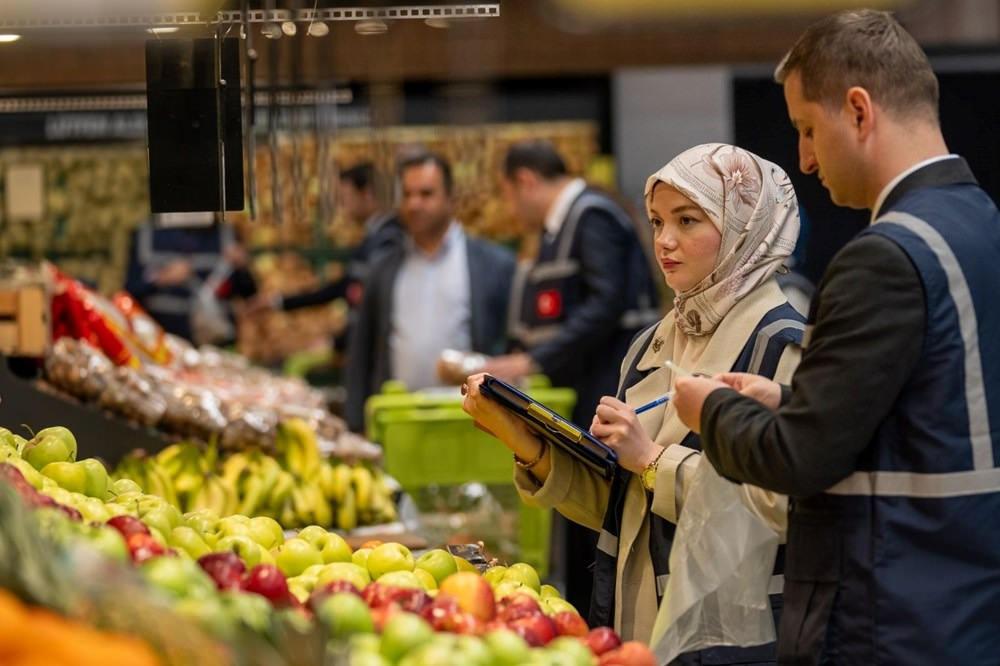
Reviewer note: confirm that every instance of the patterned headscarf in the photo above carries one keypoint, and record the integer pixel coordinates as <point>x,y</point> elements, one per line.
<point>752,204</point>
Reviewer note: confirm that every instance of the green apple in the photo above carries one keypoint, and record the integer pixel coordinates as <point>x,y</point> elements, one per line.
<point>549,591</point>
<point>299,589</point>
<point>97,478</point>
<point>494,575</point>
<point>438,563</point>
<point>295,556</point>
<point>389,557</point>
<point>364,644</point>
<point>360,557</point>
<point>314,570</point>
<point>188,540</point>
<point>122,486</point>
<point>116,509</point>
<point>63,496</point>
<point>109,542</point>
<point>202,521</point>
<point>331,546</point>
<point>401,579</point>
<point>246,548</point>
<point>402,633</point>
<point>44,449</point>
<point>252,610</point>
<point>178,577</point>
<point>472,650</point>
<point>160,537</point>
<point>345,614</point>
<point>68,475</point>
<point>93,510</point>
<point>425,578</point>
<point>266,531</point>
<point>348,571</point>
<point>555,605</point>
<point>573,648</point>
<point>7,439</point>
<point>524,573</point>
<point>233,526</point>
<point>208,613</point>
<point>508,587</point>
<point>161,518</point>
<point>30,474</point>
<point>464,564</point>
<point>508,648</point>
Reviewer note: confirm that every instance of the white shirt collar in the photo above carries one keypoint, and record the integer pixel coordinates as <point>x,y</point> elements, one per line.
<point>895,181</point>
<point>560,207</point>
<point>454,235</point>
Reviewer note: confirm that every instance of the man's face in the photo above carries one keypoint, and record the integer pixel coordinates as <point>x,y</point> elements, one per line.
<point>828,144</point>
<point>521,195</point>
<point>425,209</point>
<point>353,201</point>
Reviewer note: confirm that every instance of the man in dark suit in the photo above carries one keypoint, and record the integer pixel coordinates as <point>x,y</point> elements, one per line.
<point>437,290</point>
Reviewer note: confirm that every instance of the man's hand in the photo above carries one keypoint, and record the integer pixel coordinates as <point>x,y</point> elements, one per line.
<point>511,367</point>
<point>689,398</point>
<point>173,274</point>
<point>761,389</point>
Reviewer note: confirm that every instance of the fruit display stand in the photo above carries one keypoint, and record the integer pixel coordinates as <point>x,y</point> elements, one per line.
<point>427,440</point>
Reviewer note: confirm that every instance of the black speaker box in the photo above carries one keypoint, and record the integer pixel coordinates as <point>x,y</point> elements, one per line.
<point>182,110</point>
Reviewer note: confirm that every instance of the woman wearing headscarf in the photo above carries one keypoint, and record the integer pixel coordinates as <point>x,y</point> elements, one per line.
<point>723,221</point>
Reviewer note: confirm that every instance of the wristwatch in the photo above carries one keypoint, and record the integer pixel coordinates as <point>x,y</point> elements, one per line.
<point>648,475</point>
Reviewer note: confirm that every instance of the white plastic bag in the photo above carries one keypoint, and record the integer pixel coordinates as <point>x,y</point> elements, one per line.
<point>720,569</point>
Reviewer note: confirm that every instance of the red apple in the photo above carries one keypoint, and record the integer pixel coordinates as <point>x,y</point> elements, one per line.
<point>128,525</point>
<point>517,606</point>
<point>268,581</point>
<point>376,595</point>
<point>537,630</point>
<point>472,592</point>
<point>603,639</point>
<point>441,606</point>
<point>144,547</point>
<point>569,623</point>
<point>632,653</point>
<point>226,569</point>
<point>410,599</point>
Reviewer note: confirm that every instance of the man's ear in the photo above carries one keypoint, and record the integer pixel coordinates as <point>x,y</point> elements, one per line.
<point>861,110</point>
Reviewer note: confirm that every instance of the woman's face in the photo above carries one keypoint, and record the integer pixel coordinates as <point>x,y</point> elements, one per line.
<point>686,242</point>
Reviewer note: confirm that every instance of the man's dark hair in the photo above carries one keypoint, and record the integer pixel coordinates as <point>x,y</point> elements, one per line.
<point>865,48</point>
<point>538,156</point>
<point>422,158</point>
<point>361,176</point>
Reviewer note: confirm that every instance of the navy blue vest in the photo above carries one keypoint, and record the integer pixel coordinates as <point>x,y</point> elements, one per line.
<point>900,561</point>
<point>760,355</point>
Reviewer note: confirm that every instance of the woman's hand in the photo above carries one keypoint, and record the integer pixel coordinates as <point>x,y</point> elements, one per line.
<point>487,414</point>
<point>616,424</point>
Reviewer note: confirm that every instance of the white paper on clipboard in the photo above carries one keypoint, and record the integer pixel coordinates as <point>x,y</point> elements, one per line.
<point>24,189</point>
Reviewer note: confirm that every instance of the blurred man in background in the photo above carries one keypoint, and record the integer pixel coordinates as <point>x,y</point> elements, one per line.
<point>436,290</point>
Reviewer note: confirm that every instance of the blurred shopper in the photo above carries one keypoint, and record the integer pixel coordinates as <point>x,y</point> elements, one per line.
<point>576,305</point>
<point>356,194</point>
<point>723,221</point>
<point>186,269</point>
<point>888,440</point>
<point>437,290</point>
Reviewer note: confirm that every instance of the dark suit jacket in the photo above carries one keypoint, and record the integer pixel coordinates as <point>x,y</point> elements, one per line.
<point>491,269</point>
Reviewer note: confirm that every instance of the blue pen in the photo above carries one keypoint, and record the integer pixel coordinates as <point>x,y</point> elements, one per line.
<point>653,403</point>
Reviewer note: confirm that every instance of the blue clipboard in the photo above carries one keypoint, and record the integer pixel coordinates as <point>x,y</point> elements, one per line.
<point>553,428</point>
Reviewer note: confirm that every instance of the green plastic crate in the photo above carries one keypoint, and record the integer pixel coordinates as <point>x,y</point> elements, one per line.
<point>428,440</point>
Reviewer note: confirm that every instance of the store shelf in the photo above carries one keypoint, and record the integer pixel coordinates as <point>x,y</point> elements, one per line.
<point>35,405</point>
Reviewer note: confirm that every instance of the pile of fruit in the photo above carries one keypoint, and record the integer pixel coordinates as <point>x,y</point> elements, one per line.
<point>236,573</point>
<point>297,487</point>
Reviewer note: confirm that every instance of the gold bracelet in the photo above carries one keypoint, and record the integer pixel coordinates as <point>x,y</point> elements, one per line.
<point>528,465</point>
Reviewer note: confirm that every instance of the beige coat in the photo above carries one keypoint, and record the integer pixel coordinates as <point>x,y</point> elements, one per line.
<point>582,496</point>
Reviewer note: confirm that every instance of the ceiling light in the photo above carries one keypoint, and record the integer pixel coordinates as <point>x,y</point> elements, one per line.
<point>289,28</point>
<point>371,27</point>
<point>271,30</point>
<point>441,23</point>
<point>318,29</point>
<point>163,30</point>
<point>7,39</point>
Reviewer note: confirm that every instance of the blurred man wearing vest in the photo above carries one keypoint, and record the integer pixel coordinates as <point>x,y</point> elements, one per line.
<point>888,440</point>
<point>576,306</point>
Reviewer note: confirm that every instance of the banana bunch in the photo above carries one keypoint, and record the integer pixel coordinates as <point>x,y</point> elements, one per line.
<point>297,487</point>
